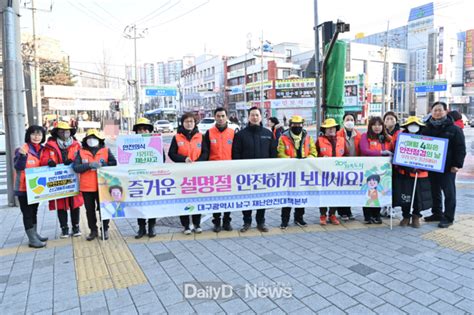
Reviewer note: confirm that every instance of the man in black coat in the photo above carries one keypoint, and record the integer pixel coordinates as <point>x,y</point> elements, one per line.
<point>254,142</point>
<point>441,125</point>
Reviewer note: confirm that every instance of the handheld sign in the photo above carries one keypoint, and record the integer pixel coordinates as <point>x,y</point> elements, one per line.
<point>421,152</point>
<point>140,149</point>
<point>50,183</point>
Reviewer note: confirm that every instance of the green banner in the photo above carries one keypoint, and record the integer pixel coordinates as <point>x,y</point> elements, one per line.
<point>335,75</point>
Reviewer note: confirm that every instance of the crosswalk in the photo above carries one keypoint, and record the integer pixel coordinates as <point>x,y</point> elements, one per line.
<point>3,175</point>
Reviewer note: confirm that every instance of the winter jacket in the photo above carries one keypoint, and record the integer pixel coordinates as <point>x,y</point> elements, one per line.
<point>174,151</point>
<point>254,142</point>
<point>22,162</point>
<point>456,152</point>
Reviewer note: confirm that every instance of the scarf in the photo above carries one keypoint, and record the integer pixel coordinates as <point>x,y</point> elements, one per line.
<point>63,145</point>
<point>296,139</point>
<point>438,122</point>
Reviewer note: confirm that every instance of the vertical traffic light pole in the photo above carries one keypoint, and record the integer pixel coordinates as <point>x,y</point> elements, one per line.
<point>316,68</point>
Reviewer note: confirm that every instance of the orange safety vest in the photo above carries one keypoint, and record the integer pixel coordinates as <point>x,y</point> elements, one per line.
<point>421,174</point>
<point>53,152</point>
<point>325,147</point>
<point>374,144</point>
<point>191,149</point>
<point>88,179</point>
<point>31,161</point>
<point>342,133</point>
<point>290,146</point>
<point>221,144</point>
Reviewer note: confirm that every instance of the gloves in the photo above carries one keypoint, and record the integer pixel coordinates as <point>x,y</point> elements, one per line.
<point>387,153</point>
<point>103,163</point>
<point>68,162</point>
<point>51,163</point>
<point>94,165</point>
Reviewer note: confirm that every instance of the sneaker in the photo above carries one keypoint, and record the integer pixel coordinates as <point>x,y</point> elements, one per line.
<point>300,222</point>
<point>377,220</point>
<point>227,227</point>
<point>245,228</point>
<point>76,231</point>
<point>367,221</point>
<point>444,224</point>
<point>405,222</point>
<point>344,217</point>
<point>433,218</point>
<point>198,230</point>
<point>333,219</point>
<point>283,226</point>
<point>64,232</point>
<point>262,228</point>
<point>187,231</point>
<point>323,220</point>
<point>351,217</point>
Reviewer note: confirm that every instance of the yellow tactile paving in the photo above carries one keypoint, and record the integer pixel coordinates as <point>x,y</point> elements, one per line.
<point>104,265</point>
<point>459,236</point>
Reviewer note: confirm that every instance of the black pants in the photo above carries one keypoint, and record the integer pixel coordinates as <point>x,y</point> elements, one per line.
<point>260,217</point>
<point>91,202</point>
<point>29,212</point>
<point>196,218</point>
<point>217,218</point>
<point>444,182</point>
<point>370,212</point>
<point>142,222</point>
<point>406,212</point>
<point>344,211</point>
<point>62,217</point>
<point>324,210</point>
<point>286,211</point>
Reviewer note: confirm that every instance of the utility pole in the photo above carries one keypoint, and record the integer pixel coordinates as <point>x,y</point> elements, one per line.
<point>131,32</point>
<point>316,68</point>
<point>385,69</point>
<point>14,111</point>
<point>37,90</point>
<point>261,72</point>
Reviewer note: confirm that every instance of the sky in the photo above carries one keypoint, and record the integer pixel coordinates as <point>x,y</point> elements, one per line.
<point>90,29</point>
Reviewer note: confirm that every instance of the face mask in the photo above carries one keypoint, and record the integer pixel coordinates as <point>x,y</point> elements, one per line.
<point>92,142</point>
<point>349,125</point>
<point>296,130</point>
<point>413,128</point>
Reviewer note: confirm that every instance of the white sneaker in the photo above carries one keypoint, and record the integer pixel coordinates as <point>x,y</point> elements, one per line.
<point>198,230</point>
<point>187,232</point>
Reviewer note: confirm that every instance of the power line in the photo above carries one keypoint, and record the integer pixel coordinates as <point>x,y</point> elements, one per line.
<point>160,13</point>
<point>90,16</point>
<point>153,12</point>
<point>180,16</point>
<point>108,13</point>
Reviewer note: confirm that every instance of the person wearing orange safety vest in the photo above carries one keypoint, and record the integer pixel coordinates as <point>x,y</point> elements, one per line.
<point>375,142</point>
<point>351,138</point>
<point>93,155</point>
<point>403,186</point>
<point>217,146</point>
<point>186,147</point>
<point>329,145</point>
<point>61,148</point>
<point>28,156</point>
<point>295,143</point>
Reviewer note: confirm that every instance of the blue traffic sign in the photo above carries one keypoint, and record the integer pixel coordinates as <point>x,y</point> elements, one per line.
<point>435,87</point>
<point>160,92</point>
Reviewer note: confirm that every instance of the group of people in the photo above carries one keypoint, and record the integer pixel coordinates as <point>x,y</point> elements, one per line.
<point>254,142</point>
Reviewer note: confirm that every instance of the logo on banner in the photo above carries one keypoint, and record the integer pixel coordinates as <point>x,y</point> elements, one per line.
<point>189,208</point>
<point>38,184</point>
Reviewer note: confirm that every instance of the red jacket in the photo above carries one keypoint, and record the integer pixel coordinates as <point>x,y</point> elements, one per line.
<point>53,152</point>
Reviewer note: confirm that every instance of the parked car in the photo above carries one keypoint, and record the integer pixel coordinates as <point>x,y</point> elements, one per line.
<point>3,145</point>
<point>465,120</point>
<point>206,123</point>
<point>163,126</point>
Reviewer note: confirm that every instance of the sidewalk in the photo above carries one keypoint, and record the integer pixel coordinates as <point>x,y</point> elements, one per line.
<point>353,268</point>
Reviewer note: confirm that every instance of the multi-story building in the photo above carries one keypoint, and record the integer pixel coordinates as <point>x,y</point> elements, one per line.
<point>202,85</point>
<point>148,74</point>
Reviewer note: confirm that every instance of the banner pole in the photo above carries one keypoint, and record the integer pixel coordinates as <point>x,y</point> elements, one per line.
<point>413,193</point>
<point>103,231</point>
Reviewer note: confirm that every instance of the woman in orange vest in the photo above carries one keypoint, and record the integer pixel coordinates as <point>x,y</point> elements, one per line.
<point>329,145</point>
<point>351,137</point>
<point>93,155</point>
<point>61,148</point>
<point>375,142</point>
<point>28,156</point>
<point>403,186</point>
<point>295,143</point>
<point>186,147</point>
<point>276,128</point>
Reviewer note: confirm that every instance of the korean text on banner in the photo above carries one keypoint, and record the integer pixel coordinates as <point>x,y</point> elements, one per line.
<point>50,183</point>
<point>421,152</point>
<point>219,186</point>
<point>140,149</point>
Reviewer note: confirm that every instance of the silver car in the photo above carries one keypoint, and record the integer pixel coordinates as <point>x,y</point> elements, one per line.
<point>163,126</point>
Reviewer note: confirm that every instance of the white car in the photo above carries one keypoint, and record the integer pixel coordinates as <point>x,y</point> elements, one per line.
<point>163,126</point>
<point>207,123</point>
<point>3,146</point>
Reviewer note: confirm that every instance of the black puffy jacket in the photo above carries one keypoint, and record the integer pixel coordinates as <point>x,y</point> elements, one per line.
<point>456,146</point>
<point>254,142</point>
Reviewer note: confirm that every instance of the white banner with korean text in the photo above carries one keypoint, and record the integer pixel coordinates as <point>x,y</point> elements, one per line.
<point>166,190</point>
